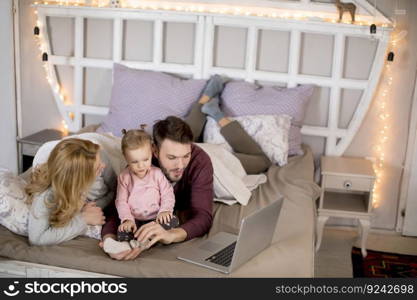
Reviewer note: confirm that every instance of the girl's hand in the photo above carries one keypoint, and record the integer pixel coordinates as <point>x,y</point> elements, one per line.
<point>164,217</point>
<point>92,214</point>
<point>127,226</point>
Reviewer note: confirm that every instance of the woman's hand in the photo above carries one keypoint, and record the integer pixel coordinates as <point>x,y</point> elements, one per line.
<point>92,214</point>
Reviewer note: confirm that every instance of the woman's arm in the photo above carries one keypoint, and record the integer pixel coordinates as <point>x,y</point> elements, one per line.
<point>109,196</point>
<point>103,189</point>
<point>41,233</point>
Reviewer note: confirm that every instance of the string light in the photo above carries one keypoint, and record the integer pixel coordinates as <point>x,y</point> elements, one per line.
<point>383,132</point>
<point>64,129</point>
<point>223,9</point>
<point>41,43</point>
<point>217,8</point>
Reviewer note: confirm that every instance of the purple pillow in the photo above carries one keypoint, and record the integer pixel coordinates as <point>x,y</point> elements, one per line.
<point>240,98</point>
<point>144,97</point>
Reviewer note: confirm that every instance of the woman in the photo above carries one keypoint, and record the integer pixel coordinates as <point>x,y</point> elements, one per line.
<point>57,192</point>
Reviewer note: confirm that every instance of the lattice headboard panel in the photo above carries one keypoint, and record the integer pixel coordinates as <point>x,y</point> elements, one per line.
<point>337,139</point>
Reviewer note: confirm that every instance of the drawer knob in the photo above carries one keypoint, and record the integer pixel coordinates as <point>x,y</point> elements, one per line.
<point>347,184</point>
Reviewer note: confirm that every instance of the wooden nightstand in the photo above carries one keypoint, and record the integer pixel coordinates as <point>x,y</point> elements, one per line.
<point>347,185</point>
<point>29,145</point>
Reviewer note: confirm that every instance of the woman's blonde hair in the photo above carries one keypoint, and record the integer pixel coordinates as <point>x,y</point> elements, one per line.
<point>69,171</point>
<point>135,138</point>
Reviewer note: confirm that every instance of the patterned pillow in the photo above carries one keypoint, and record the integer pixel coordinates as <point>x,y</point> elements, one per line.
<point>240,98</point>
<point>269,131</point>
<point>14,212</point>
<point>143,97</point>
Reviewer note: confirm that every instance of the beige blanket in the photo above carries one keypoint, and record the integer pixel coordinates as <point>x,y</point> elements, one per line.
<point>231,184</point>
<point>291,253</point>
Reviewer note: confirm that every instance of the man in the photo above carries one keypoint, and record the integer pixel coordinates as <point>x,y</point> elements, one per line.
<point>190,171</point>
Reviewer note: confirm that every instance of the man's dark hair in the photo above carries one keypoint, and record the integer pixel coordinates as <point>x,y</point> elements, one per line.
<point>172,128</point>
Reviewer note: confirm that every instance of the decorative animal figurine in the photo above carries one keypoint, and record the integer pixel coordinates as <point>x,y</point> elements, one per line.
<point>114,3</point>
<point>349,7</point>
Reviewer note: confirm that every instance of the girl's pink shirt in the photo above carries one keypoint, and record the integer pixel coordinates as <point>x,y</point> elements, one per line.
<point>143,199</point>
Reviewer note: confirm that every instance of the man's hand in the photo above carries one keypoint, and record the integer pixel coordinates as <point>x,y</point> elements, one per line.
<point>152,232</point>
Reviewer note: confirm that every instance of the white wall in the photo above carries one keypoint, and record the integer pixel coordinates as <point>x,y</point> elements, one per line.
<point>317,57</point>
<point>399,106</point>
<point>8,149</point>
<point>38,109</point>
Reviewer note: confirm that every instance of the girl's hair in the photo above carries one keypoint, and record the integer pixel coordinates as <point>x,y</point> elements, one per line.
<point>69,171</point>
<point>135,138</point>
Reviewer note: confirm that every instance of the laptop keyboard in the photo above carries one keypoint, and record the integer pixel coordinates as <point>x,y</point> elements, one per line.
<point>224,256</point>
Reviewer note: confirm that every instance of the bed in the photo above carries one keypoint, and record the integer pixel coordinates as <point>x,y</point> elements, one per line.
<point>291,253</point>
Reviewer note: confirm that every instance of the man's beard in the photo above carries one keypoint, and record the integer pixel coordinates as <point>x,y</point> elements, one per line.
<point>167,175</point>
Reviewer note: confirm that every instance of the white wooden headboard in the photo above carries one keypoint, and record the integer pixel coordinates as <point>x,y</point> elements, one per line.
<point>337,139</point>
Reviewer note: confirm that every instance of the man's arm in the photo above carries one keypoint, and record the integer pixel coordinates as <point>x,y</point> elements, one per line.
<point>201,202</point>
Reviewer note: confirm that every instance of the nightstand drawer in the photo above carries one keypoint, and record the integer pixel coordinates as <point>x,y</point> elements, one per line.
<point>347,183</point>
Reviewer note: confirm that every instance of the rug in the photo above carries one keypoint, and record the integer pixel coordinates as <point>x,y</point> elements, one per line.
<point>383,264</point>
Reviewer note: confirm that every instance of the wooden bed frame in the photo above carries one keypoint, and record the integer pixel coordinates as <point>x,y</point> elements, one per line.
<point>337,139</point>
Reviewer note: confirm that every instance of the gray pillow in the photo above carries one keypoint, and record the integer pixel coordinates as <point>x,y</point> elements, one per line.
<point>144,97</point>
<point>240,98</point>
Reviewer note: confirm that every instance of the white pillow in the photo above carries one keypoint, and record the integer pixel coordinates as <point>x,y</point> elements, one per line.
<point>269,131</point>
<point>14,212</point>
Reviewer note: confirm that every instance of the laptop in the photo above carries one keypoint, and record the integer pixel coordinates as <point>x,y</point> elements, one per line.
<point>224,252</point>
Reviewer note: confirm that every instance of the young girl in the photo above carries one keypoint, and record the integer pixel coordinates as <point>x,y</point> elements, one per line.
<point>143,192</point>
<point>58,191</point>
